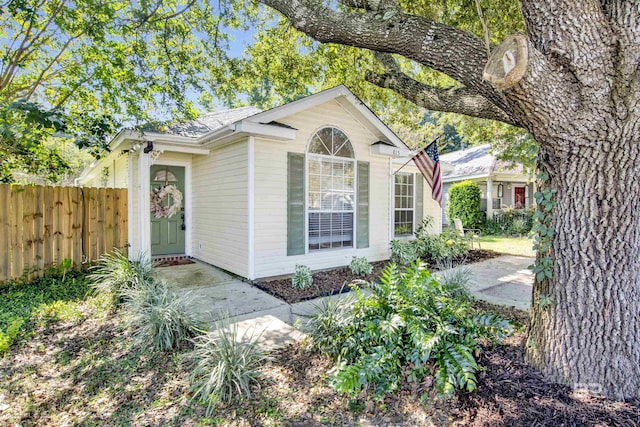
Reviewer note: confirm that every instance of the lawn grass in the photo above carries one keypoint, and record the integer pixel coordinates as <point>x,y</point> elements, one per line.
<point>522,246</point>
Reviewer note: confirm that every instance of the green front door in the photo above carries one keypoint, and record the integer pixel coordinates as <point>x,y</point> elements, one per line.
<point>167,210</point>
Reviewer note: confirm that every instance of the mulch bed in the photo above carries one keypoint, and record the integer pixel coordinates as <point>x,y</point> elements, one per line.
<point>336,280</point>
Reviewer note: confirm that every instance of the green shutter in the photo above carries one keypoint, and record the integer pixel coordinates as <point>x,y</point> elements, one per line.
<point>295,204</point>
<point>362,209</point>
<point>419,199</point>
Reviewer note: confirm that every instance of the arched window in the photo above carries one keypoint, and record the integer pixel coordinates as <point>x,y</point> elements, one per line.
<point>164,175</point>
<point>331,195</point>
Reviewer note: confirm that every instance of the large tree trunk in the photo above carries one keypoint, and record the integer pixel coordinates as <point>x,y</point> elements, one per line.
<point>585,325</point>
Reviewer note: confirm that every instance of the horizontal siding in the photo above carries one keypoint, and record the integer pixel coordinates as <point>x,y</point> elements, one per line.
<point>220,208</point>
<point>271,194</point>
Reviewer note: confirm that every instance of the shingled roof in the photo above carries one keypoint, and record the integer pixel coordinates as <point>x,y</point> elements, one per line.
<point>212,121</point>
<point>476,161</point>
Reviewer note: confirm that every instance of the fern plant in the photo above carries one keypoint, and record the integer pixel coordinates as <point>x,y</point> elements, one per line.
<point>412,326</point>
<point>360,266</point>
<point>302,277</point>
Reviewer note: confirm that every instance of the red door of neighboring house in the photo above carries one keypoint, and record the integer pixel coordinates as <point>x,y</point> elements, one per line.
<point>519,199</point>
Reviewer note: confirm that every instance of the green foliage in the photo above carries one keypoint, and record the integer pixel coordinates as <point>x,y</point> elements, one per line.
<point>403,252</point>
<point>49,298</point>
<point>161,319</point>
<point>446,245</point>
<point>464,203</point>
<point>224,366</point>
<point>492,227</point>
<point>543,230</point>
<point>331,317</point>
<point>302,277</point>
<point>409,327</point>
<point>8,337</point>
<point>519,226</point>
<point>360,266</point>
<point>115,274</point>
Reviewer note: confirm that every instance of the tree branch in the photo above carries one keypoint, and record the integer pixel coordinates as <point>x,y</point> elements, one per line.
<point>443,48</point>
<point>452,100</point>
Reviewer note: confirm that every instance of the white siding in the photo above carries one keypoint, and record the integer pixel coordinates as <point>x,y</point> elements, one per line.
<point>116,164</point>
<point>431,207</point>
<point>271,194</point>
<point>220,208</point>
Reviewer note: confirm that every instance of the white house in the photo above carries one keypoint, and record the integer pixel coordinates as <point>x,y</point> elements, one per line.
<point>502,185</point>
<point>256,192</point>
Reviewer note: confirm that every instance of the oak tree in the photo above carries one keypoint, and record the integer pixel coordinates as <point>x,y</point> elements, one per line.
<point>571,79</point>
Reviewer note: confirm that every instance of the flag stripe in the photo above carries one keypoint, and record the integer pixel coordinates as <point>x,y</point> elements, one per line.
<point>428,162</point>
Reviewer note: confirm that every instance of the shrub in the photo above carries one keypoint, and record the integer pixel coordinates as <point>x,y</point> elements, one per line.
<point>464,203</point>
<point>360,266</point>
<point>446,245</point>
<point>302,277</point>
<point>403,252</point>
<point>491,227</point>
<point>115,274</point>
<point>8,337</point>
<point>519,226</point>
<point>224,366</point>
<point>161,319</point>
<point>507,217</point>
<point>411,327</point>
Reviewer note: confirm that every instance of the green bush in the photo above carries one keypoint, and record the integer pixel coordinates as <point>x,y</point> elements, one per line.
<point>224,366</point>
<point>330,317</point>
<point>464,203</point>
<point>491,227</point>
<point>408,328</point>
<point>161,319</point>
<point>360,266</point>
<point>446,245</point>
<point>519,227</point>
<point>302,277</point>
<point>455,278</point>
<point>403,252</point>
<point>523,218</point>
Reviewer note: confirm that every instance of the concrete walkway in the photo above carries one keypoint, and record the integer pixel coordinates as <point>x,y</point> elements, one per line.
<point>505,280</point>
<point>217,295</point>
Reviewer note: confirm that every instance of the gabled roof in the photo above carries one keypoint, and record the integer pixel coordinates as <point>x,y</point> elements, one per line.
<point>476,161</point>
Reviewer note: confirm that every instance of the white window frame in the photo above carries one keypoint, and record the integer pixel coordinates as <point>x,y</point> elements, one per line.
<point>309,156</point>
<point>413,209</point>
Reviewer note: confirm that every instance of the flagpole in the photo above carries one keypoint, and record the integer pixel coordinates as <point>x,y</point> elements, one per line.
<point>436,138</point>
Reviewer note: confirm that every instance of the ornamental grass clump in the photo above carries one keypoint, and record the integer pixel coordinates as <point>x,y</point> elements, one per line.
<point>161,319</point>
<point>360,266</point>
<point>408,328</point>
<point>115,274</point>
<point>225,364</point>
<point>302,277</point>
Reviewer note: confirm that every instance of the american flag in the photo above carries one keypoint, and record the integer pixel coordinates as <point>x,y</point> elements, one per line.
<point>428,162</point>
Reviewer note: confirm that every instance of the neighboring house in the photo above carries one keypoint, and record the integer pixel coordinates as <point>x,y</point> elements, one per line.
<point>501,186</point>
<point>309,182</point>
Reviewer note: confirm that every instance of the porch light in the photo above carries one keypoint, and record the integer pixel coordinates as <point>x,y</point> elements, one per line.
<point>148,148</point>
<point>500,190</point>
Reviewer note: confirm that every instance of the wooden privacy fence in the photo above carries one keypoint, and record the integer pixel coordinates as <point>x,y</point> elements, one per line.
<point>41,226</point>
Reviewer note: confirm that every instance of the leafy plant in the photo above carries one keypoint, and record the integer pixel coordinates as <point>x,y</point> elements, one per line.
<point>8,337</point>
<point>225,365</point>
<point>360,266</point>
<point>403,252</point>
<point>161,319</point>
<point>519,226</point>
<point>464,203</point>
<point>446,245</point>
<point>115,274</point>
<point>302,277</point>
<point>492,227</point>
<point>410,326</point>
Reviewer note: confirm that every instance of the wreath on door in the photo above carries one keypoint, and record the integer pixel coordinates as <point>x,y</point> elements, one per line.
<point>159,207</point>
